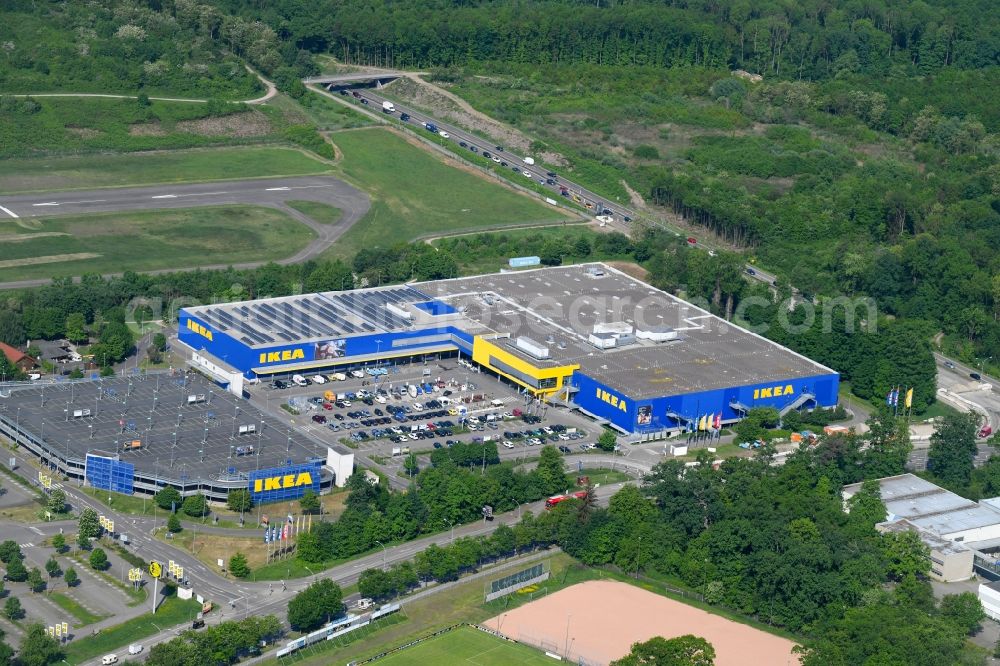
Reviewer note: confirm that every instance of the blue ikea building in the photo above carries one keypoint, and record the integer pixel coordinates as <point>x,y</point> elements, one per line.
<point>588,337</point>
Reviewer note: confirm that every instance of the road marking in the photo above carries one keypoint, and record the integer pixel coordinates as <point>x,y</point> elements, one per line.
<point>307,187</point>
<point>277,189</point>
<point>9,212</point>
<point>201,194</point>
<point>25,545</point>
<point>164,196</point>
<point>50,203</point>
<point>35,530</point>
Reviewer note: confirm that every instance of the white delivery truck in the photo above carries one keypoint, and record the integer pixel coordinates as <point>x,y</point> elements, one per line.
<point>299,380</point>
<point>340,376</point>
<point>319,379</point>
<point>387,107</point>
<point>529,160</point>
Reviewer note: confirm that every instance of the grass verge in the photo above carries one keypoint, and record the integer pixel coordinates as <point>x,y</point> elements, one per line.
<point>320,212</point>
<point>146,240</point>
<point>71,606</point>
<point>416,194</point>
<point>181,166</point>
<point>467,645</point>
<point>171,612</point>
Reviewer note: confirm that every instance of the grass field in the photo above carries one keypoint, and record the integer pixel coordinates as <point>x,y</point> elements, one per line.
<point>171,612</point>
<point>146,240</point>
<point>320,212</point>
<point>182,166</point>
<point>467,646</point>
<point>415,194</point>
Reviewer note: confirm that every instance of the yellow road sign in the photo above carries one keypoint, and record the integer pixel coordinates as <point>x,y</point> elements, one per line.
<point>155,570</point>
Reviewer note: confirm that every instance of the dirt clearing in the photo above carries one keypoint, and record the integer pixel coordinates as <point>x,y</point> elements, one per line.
<point>598,621</point>
<point>50,259</point>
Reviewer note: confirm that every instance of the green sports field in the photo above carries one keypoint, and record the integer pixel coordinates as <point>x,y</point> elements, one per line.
<point>466,646</point>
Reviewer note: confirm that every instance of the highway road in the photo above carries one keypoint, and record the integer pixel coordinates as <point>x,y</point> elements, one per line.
<point>269,192</point>
<point>596,204</point>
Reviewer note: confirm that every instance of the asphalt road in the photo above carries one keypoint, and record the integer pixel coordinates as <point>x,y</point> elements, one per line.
<point>271,192</point>
<point>595,203</point>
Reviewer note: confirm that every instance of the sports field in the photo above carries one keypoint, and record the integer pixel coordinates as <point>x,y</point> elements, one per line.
<point>466,646</point>
<point>598,621</point>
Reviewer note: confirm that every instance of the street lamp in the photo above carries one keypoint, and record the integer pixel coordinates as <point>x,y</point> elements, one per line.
<point>383,552</point>
<point>452,526</point>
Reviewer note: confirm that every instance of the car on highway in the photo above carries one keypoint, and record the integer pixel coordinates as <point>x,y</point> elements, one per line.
<point>364,101</point>
<point>486,153</point>
<point>949,365</point>
<point>499,148</point>
<point>444,135</point>
<point>692,240</point>
<point>751,271</point>
<point>463,144</point>
<point>404,117</point>
<point>550,181</point>
<point>985,431</point>
<point>496,159</point>
<point>976,376</point>
<point>527,173</point>
<point>473,149</point>
<point>503,164</point>
<point>550,174</point>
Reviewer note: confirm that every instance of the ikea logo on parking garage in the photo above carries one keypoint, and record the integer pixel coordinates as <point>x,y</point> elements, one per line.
<point>282,356</point>
<point>277,484</point>
<point>199,329</point>
<point>612,399</point>
<point>773,391</point>
<point>282,482</point>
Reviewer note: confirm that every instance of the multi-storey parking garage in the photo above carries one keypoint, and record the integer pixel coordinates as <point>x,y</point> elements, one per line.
<point>589,336</point>
<point>138,434</point>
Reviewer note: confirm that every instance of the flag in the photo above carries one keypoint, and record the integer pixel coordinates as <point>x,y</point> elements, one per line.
<point>267,535</point>
<point>909,398</point>
<point>895,396</point>
<point>717,423</point>
<point>701,423</point>
<point>888,398</point>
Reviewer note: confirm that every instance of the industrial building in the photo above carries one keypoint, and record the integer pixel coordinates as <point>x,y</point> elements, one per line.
<point>139,433</point>
<point>963,536</point>
<point>588,336</point>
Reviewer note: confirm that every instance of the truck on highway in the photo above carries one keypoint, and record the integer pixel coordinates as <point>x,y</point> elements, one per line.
<point>556,499</point>
<point>529,160</point>
<point>388,107</point>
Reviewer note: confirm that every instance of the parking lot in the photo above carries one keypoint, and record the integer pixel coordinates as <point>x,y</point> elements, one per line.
<point>389,411</point>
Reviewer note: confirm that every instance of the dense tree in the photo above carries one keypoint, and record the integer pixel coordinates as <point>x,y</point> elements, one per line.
<point>9,550</point>
<point>953,449</point>
<point>16,571</point>
<point>195,505</point>
<point>964,610</point>
<point>607,441</point>
<point>71,577</point>
<point>98,559</point>
<point>89,524</point>
<point>238,565</point>
<point>687,650</point>
<point>239,500</point>
<point>12,609</point>
<point>321,602</point>
<point>57,501</point>
<point>167,498</point>
<point>174,524</point>
<point>59,542</point>
<point>36,583</point>
<point>551,470</point>
<point>309,502</point>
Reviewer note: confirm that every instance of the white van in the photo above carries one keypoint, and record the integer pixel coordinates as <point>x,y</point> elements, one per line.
<point>299,380</point>
<point>496,403</point>
<point>319,379</point>
<point>357,374</point>
<point>109,659</point>
<point>135,648</point>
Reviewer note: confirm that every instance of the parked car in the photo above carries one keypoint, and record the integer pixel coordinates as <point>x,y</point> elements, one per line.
<point>319,418</point>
